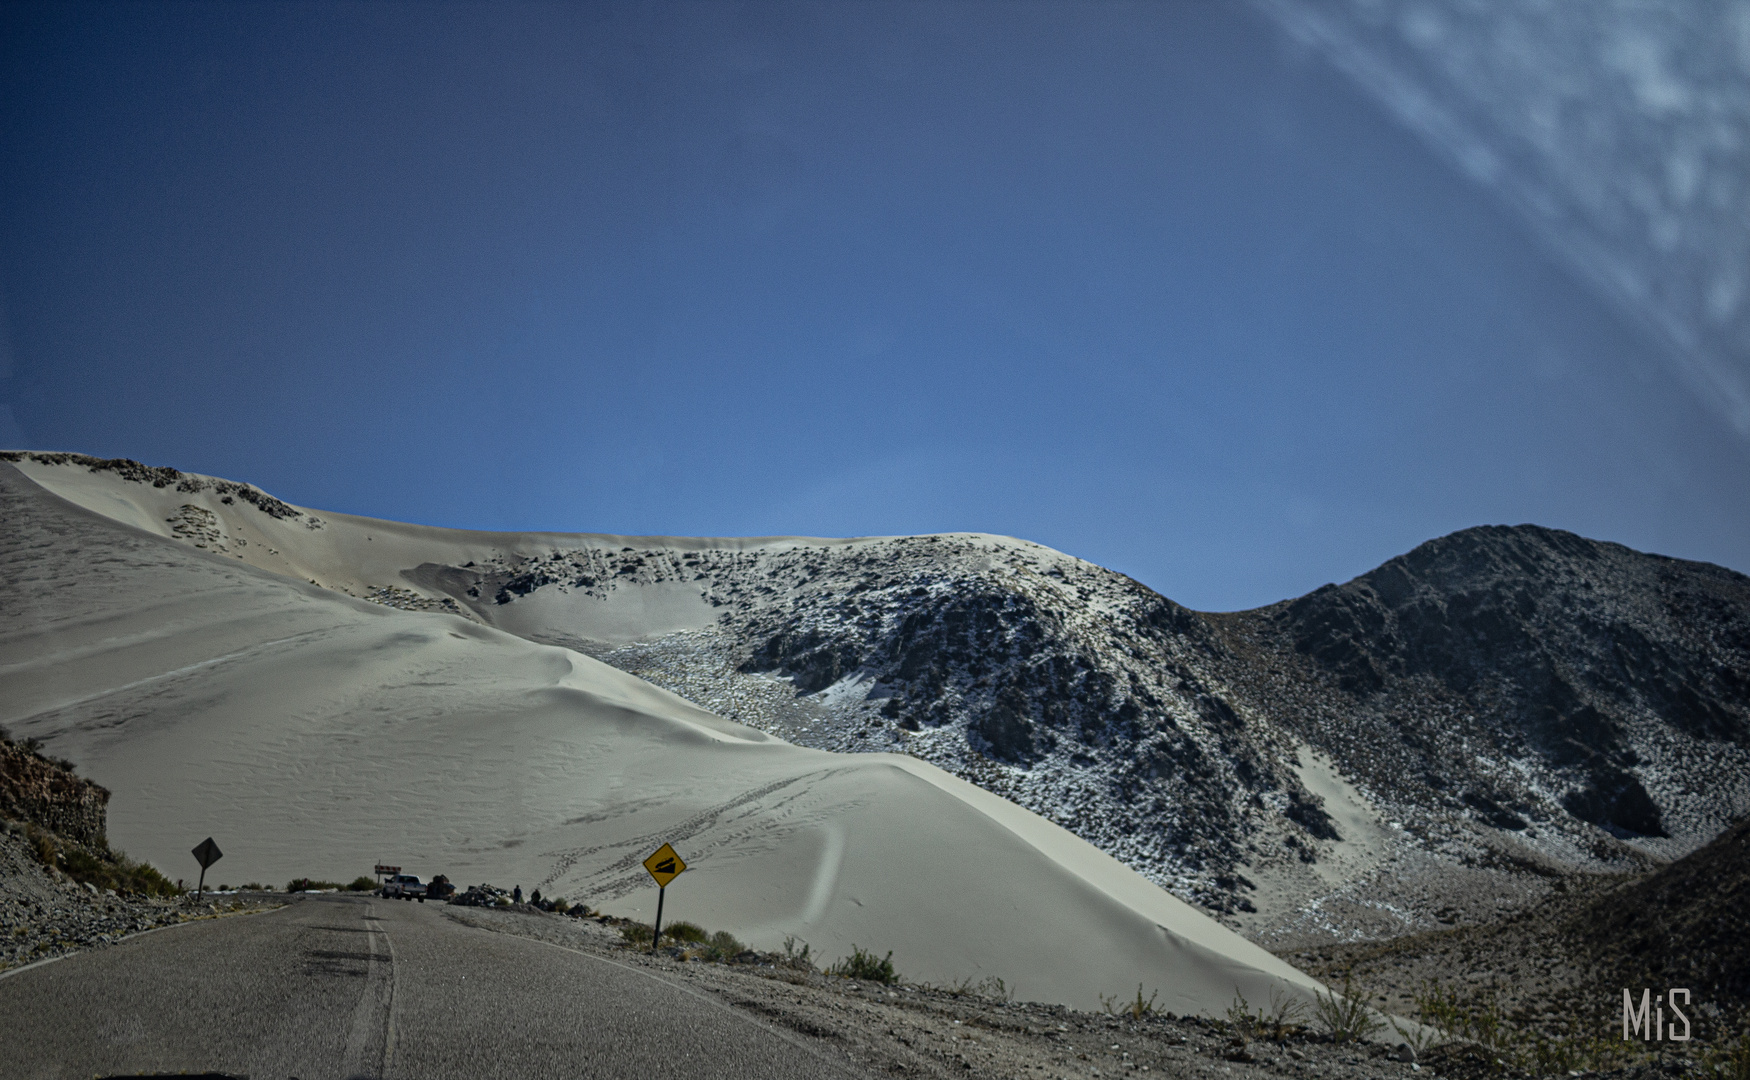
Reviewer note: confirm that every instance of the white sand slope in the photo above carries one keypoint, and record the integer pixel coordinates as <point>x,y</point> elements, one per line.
<point>312,733</point>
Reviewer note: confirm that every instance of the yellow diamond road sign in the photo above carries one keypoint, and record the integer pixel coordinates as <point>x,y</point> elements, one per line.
<point>665,865</point>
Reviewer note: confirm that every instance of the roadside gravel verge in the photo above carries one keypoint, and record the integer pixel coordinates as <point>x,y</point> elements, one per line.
<point>909,1030</point>
<point>46,915</point>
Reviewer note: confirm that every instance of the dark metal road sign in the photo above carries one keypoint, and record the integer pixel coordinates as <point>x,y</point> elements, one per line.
<point>208,853</point>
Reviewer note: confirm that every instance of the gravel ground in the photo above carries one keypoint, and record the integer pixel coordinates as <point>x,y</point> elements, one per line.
<point>44,914</point>
<point>908,1030</point>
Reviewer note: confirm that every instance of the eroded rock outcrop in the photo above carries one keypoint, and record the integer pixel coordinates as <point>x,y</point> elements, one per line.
<point>45,792</point>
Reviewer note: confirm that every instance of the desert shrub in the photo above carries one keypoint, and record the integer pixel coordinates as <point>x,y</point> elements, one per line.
<point>691,933</point>
<point>1285,1017</point>
<point>561,905</point>
<point>1346,1017</point>
<point>360,884</point>
<point>990,986</point>
<point>1478,1021</point>
<point>797,957</point>
<point>112,870</point>
<point>139,877</point>
<point>635,933</point>
<point>42,845</point>
<point>1136,1009</point>
<point>723,946</point>
<point>1419,1037</point>
<point>862,964</point>
<point>253,886</point>
<point>304,884</point>
<point>1239,1019</point>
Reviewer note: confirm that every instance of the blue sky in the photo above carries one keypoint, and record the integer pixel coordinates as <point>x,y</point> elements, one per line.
<point>1147,283</point>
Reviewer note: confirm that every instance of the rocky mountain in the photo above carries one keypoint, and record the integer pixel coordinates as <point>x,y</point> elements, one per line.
<point>1433,742</point>
<point>1504,698</point>
<point>1526,677</point>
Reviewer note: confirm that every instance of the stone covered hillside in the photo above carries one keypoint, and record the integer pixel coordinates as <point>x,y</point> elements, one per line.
<point>1514,694</point>
<point>1072,690</point>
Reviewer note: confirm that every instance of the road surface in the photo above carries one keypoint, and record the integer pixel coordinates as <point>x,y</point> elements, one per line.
<point>336,987</point>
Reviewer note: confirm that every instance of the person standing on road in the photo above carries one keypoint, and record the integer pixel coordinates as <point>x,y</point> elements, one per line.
<point>516,895</point>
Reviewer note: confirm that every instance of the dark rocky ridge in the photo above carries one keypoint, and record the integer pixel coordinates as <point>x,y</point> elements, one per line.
<point>46,914</point>
<point>1593,660</point>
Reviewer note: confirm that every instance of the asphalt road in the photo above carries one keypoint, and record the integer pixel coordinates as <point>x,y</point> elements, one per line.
<point>334,987</point>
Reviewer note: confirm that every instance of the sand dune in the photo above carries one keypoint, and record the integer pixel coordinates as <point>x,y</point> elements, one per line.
<point>216,691</point>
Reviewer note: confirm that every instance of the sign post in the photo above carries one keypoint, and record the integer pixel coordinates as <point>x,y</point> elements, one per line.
<point>383,869</point>
<point>206,853</point>
<point>664,866</point>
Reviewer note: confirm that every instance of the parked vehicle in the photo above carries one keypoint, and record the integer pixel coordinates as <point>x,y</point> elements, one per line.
<point>405,887</point>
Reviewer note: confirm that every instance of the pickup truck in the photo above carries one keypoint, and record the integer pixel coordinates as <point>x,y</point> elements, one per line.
<point>405,886</point>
